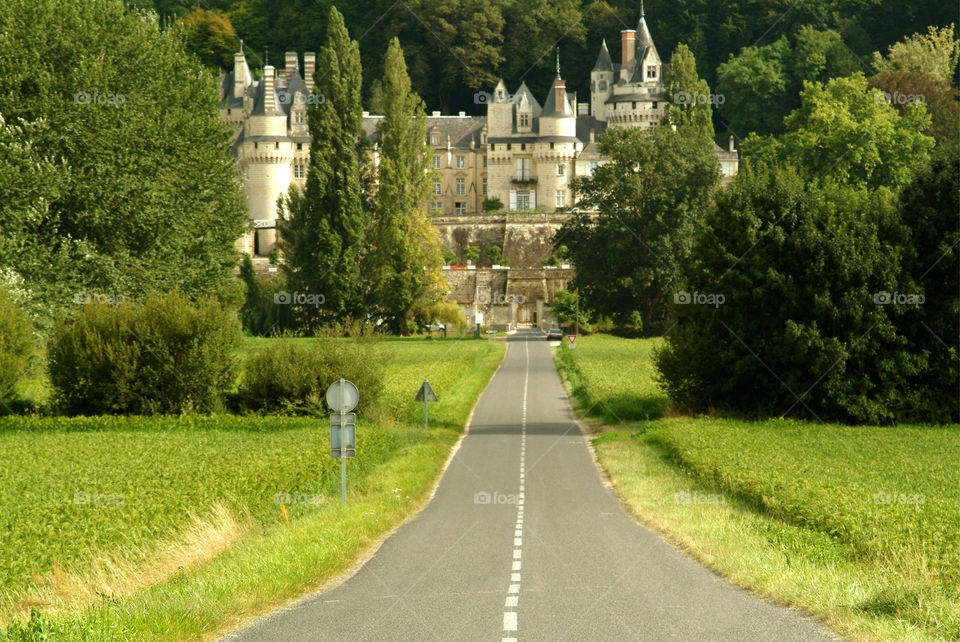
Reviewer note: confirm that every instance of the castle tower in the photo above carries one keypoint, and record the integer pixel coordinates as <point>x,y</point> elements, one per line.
<point>601,83</point>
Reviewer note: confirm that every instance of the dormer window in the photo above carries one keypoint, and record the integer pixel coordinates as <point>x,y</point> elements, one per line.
<point>651,71</point>
<point>524,120</point>
<point>435,139</point>
<point>298,118</point>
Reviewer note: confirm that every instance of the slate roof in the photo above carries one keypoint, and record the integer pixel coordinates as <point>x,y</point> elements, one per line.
<point>604,63</point>
<point>550,107</point>
<point>461,129</point>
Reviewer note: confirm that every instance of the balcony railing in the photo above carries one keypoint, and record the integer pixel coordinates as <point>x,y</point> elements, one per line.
<point>523,179</point>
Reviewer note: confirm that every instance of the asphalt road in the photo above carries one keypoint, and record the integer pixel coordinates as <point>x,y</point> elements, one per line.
<point>523,541</point>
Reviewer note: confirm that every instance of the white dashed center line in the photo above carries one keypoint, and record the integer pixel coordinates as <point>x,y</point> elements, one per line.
<point>513,591</point>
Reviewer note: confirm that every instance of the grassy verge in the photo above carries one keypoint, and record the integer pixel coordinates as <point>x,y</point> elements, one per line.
<point>856,525</point>
<point>187,527</point>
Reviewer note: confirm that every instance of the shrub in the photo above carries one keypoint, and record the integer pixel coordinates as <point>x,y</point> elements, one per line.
<point>262,314</point>
<point>291,376</point>
<point>16,345</point>
<point>450,314</point>
<point>162,356</point>
<point>492,205</point>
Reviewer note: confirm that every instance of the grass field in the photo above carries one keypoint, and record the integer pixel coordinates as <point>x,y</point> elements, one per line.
<point>859,526</point>
<point>173,528</point>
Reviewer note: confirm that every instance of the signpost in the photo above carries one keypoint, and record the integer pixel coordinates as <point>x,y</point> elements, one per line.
<point>571,338</point>
<point>427,396</point>
<point>342,397</point>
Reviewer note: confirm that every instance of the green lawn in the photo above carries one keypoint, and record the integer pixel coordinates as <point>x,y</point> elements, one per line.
<point>174,528</point>
<point>858,525</point>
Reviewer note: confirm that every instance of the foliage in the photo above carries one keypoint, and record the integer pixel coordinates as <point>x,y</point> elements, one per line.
<point>647,200</point>
<point>402,260</point>
<point>16,345</point>
<point>689,98</point>
<point>290,376</point>
<point>820,55</point>
<point>754,83</point>
<point>471,253</point>
<point>448,256</point>
<point>450,314</point>
<point>935,53</point>
<point>803,327</point>
<point>83,209</point>
<point>210,35</point>
<point>494,254</point>
<point>565,306</point>
<point>162,356</point>
<point>262,313</point>
<point>492,205</point>
<point>323,234</point>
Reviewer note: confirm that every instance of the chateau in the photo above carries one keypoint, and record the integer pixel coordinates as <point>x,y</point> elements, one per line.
<point>523,153</point>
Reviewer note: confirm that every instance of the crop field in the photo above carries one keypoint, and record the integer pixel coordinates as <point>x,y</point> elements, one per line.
<point>89,504</point>
<point>857,524</point>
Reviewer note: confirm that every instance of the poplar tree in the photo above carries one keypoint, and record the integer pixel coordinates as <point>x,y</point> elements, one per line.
<point>690,108</point>
<point>403,264</point>
<point>323,230</point>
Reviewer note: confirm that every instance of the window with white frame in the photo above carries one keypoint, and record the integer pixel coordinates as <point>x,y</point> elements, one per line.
<point>461,186</point>
<point>436,162</point>
<point>435,139</point>
<point>461,162</point>
<point>560,169</point>
<point>592,167</point>
<point>561,198</point>
<point>460,207</point>
<point>484,187</point>
<point>436,206</point>
<point>651,71</point>
<point>523,169</point>
<point>523,199</point>
<point>298,171</point>
<point>436,188</point>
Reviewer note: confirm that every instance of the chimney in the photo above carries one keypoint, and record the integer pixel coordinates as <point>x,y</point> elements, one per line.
<point>463,114</point>
<point>290,64</point>
<point>436,113</point>
<point>309,66</point>
<point>628,48</point>
<point>560,94</point>
<point>592,135</point>
<point>239,75</point>
<point>583,109</point>
<point>269,93</point>
<point>732,150</point>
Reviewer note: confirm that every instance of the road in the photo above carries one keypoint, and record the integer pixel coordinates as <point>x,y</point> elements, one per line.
<point>522,541</point>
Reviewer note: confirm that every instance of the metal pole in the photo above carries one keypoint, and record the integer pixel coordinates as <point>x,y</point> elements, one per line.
<point>576,320</point>
<point>426,419</point>
<point>343,452</point>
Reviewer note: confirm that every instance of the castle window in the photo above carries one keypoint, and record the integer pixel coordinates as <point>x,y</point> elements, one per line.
<point>434,139</point>
<point>460,208</point>
<point>436,206</point>
<point>461,187</point>
<point>436,188</point>
<point>461,162</point>
<point>561,198</point>
<point>654,104</point>
<point>551,145</point>
<point>484,187</point>
<point>524,120</point>
<point>560,170</point>
<point>228,112</point>
<point>634,106</point>
<point>483,139</point>
<point>299,146</point>
<point>651,71</point>
<point>298,118</point>
<point>523,199</point>
<point>276,145</point>
<point>436,162</point>
<point>592,167</point>
<point>298,171</point>
<point>255,144</point>
<point>523,169</point>
<point>493,148</point>
<point>603,85</point>
<point>523,147</point>
<point>484,161</point>
<point>508,147</point>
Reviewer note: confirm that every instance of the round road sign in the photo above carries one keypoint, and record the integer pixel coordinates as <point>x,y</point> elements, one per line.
<point>342,396</point>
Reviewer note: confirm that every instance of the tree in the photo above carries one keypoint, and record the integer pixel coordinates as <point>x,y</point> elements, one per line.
<point>114,176</point>
<point>565,306</point>
<point>211,37</point>
<point>783,312</point>
<point>690,99</point>
<point>754,84</point>
<point>322,235</point>
<point>935,53</point>
<point>640,208</point>
<point>820,55</point>
<point>403,259</point>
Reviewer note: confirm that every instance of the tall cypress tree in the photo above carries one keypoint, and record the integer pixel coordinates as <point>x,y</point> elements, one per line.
<point>690,108</point>
<point>404,257</point>
<point>323,237</point>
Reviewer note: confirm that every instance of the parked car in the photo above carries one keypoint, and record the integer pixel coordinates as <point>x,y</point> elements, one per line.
<point>555,334</point>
